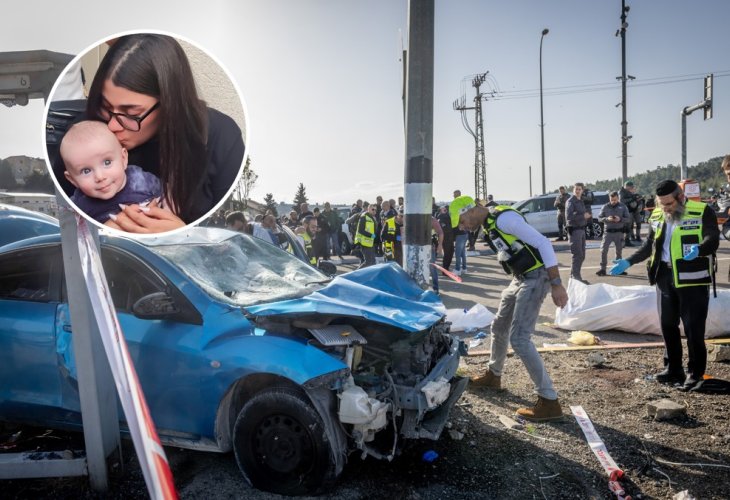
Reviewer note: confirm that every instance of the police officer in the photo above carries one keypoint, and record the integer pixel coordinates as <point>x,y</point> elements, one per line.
<point>529,257</point>
<point>559,204</point>
<point>577,217</point>
<point>613,216</point>
<point>626,196</point>
<point>683,237</point>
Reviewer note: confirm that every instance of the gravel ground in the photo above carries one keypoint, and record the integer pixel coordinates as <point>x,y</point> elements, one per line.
<point>544,460</point>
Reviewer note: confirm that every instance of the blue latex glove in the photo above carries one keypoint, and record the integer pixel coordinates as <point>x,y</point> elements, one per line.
<point>694,252</point>
<point>619,266</point>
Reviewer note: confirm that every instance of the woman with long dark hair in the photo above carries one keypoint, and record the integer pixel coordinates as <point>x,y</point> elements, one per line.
<point>144,89</point>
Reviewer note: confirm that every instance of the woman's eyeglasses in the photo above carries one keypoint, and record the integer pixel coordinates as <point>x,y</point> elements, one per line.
<point>128,122</point>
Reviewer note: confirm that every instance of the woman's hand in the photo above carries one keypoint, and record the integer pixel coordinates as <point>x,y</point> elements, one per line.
<point>146,220</point>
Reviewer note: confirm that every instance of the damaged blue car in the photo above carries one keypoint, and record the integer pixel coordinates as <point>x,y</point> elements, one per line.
<point>240,346</point>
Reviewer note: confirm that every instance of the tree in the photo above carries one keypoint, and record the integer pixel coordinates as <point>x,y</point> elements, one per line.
<point>300,197</point>
<point>7,179</point>
<point>39,182</point>
<point>271,204</point>
<point>246,184</point>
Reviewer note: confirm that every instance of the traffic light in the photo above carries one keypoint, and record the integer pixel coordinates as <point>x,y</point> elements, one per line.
<point>708,96</point>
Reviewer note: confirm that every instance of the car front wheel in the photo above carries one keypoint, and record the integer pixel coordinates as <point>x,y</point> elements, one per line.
<point>345,246</point>
<point>281,444</point>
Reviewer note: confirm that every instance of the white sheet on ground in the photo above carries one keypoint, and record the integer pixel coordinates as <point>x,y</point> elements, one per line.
<point>629,308</point>
<point>476,317</point>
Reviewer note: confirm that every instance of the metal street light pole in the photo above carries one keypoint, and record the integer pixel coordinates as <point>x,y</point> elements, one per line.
<point>624,124</point>
<point>542,122</point>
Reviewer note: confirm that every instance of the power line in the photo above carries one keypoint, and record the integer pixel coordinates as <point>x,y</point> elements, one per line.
<point>601,87</point>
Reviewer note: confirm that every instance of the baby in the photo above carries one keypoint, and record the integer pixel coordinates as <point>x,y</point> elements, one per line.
<point>96,164</point>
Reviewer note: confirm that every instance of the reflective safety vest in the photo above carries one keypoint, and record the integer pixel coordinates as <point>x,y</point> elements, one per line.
<point>366,241</point>
<point>516,256</point>
<point>308,248</point>
<point>687,232</point>
<point>389,244</point>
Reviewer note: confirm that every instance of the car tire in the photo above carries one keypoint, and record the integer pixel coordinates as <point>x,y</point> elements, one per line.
<point>597,230</point>
<point>281,445</point>
<point>345,246</point>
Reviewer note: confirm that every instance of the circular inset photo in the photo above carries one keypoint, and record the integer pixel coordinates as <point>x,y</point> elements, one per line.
<point>145,133</point>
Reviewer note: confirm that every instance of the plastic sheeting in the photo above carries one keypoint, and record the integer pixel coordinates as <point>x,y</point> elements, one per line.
<point>477,317</point>
<point>629,308</point>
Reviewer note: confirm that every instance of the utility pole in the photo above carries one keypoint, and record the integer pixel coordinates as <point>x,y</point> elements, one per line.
<point>624,123</point>
<point>542,121</point>
<point>419,140</point>
<point>706,105</point>
<point>480,164</point>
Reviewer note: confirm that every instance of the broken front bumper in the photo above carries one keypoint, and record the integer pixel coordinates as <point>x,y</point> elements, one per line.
<point>420,419</point>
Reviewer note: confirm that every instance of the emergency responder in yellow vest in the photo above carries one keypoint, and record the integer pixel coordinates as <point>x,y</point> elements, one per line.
<point>365,235</point>
<point>683,238</point>
<point>309,223</point>
<point>529,257</point>
<point>391,237</point>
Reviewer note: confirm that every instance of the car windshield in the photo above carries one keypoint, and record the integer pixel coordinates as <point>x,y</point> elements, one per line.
<point>242,270</point>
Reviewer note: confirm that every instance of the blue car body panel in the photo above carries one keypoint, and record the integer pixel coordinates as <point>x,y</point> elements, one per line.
<point>383,293</point>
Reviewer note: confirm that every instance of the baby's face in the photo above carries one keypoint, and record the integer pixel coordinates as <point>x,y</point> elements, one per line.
<point>97,167</point>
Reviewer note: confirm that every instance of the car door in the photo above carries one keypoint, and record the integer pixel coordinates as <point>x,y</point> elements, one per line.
<point>548,220</point>
<point>528,208</point>
<point>30,294</point>
<point>166,351</point>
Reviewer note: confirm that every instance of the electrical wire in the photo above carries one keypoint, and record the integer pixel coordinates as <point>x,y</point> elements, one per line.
<point>600,87</point>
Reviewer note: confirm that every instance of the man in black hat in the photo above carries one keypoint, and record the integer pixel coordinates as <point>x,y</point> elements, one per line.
<point>683,236</point>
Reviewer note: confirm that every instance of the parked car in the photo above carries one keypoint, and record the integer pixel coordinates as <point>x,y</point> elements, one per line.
<point>345,238</point>
<point>541,214</point>
<point>239,345</point>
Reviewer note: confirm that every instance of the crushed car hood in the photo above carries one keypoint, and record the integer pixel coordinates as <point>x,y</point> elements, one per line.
<point>383,293</point>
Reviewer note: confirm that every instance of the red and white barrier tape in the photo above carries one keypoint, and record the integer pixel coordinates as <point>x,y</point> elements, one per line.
<point>599,449</point>
<point>150,453</point>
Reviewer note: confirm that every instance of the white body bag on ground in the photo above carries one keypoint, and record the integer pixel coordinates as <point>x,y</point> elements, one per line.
<point>629,308</point>
<point>476,318</point>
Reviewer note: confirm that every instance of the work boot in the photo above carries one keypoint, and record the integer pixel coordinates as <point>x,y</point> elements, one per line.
<point>544,409</point>
<point>690,383</point>
<point>670,377</point>
<point>601,272</point>
<point>488,381</point>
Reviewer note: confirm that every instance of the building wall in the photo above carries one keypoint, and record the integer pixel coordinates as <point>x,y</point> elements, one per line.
<point>23,166</point>
<point>38,202</point>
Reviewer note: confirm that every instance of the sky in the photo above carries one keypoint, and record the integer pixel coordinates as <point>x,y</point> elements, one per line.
<point>322,83</point>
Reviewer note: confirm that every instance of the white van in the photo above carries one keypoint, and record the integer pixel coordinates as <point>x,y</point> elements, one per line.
<point>541,214</point>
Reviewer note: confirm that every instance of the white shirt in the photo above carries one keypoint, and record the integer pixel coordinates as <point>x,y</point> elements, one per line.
<point>666,254</point>
<point>513,223</point>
